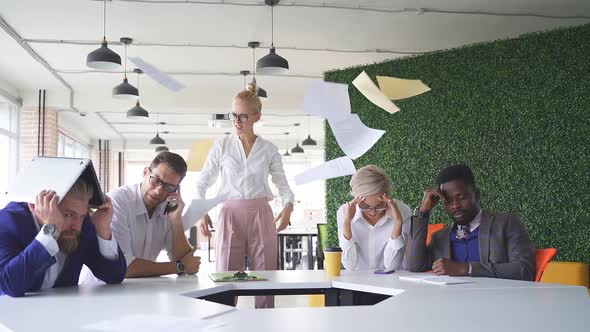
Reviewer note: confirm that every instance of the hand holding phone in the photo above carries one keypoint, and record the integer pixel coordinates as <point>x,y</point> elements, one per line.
<point>174,203</point>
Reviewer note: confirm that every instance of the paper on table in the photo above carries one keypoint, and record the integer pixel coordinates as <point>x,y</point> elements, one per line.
<point>399,88</point>
<point>364,84</point>
<point>353,137</point>
<point>198,154</point>
<point>327,100</point>
<point>198,208</point>
<point>332,169</point>
<point>152,323</point>
<point>435,280</point>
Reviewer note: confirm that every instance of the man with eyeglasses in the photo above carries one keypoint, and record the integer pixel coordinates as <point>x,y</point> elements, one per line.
<point>148,218</point>
<point>372,227</point>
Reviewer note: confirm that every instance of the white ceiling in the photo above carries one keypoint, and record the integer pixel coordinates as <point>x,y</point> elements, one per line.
<point>203,44</point>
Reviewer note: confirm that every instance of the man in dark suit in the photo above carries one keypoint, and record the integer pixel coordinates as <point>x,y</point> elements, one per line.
<point>478,243</point>
<point>45,244</point>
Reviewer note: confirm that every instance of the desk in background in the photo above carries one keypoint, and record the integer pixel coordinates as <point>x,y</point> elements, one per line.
<point>308,233</point>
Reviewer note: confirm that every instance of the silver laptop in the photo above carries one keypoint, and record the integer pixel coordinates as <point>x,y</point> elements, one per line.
<point>50,173</point>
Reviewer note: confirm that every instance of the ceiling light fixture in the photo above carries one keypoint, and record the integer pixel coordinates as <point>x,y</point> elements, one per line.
<point>287,154</point>
<point>260,92</point>
<point>125,90</point>
<point>158,140</point>
<point>137,112</point>
<point>309,140</point>
<point>162,148</point>
<point>297,148</point>
<point>103,58</point>
<point>272,63</point>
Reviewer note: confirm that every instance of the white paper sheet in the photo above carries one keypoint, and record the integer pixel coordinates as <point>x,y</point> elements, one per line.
<point>154,322</point>
<point>353,137</point>
<point>154,73</point>
<point>366,86</point>
<point>435,280</point>
<point>326,99</point>
<point>332,169</point>
<point>198,208</point>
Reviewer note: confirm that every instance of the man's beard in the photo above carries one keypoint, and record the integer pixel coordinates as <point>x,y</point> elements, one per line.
<point>68,241</point>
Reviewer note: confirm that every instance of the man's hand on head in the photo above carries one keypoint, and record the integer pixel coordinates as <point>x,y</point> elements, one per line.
<point>45,209</point>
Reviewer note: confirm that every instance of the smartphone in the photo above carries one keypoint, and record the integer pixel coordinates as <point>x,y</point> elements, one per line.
<point>170,207</point>
<point>383,272</point>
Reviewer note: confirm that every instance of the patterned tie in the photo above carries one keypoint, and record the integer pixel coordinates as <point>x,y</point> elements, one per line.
<point>462,232</point>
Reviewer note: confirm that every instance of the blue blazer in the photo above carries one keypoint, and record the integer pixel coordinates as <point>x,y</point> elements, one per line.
<point>24,261</point>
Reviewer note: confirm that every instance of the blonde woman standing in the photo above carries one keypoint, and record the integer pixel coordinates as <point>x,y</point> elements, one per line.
<point>244,161</point>
<point>373,228</point>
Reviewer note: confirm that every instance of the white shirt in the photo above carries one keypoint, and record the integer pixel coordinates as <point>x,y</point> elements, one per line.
<point>139,235</point>
<point>241,177</point>
<point>108,249</point>
<point>371,247</point>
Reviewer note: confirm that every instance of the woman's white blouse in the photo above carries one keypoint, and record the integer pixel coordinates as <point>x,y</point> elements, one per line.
<point>371,247</point>
<point>241,177</point>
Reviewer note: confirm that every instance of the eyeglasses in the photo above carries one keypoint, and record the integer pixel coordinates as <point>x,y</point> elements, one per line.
<point>156,182</point>
<point>241,117</point>
<point>375,209</point>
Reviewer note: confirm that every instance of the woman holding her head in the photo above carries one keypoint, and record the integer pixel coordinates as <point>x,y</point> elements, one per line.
<point>373,228</point>
<point>244,161</point>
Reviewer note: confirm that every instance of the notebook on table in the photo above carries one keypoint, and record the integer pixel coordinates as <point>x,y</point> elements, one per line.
<point>236,276</point>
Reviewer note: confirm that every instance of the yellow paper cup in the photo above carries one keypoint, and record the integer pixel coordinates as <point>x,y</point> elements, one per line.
<point>332,258</point>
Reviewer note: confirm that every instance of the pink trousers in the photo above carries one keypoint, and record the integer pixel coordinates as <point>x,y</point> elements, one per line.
<point>246,229</point>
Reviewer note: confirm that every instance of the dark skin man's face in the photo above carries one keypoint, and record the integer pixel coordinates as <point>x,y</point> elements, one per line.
<point>461,201</point>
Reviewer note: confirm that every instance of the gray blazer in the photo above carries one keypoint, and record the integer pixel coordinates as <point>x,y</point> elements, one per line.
<point>505,250</point>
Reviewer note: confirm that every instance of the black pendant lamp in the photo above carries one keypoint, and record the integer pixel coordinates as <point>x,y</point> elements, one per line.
<point>260,92</point>
<point>125,90</point>
<point>158,140</point>
<point>297,148</point>
<point>162,148</point>
<point>137,112</point>
<point>103,58</point>
<point>272,63</point>
<point>309,140</point>
<point>287,154</point>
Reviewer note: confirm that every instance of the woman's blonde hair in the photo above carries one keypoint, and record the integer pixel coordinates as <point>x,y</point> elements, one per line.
<point>249,97</point>
<point>370,180</point>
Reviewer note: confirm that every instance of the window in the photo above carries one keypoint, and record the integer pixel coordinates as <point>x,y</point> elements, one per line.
<point>8,140</point>
<point>70,148</point>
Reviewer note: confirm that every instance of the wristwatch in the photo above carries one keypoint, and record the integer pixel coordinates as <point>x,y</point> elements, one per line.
<point>420,214</point>
<point>179,267</point>
<point>51,230</point>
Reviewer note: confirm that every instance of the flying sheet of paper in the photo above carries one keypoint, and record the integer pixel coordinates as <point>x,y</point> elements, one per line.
<point>198,208</point>
<point>153,322</point>
<point>332,169</point>
<point>198,154</point>
<point>327,100</point>
<point>366,86</point>
<point>353,137</point>
<point>154,73</point>
<point>398,88</point>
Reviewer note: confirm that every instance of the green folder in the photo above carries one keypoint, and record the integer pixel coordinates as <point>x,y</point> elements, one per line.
<point>236,276</point>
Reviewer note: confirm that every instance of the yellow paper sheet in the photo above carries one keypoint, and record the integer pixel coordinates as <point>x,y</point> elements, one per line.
<point>198,155</point>
<point>398,88</point>
<point>364,84</point>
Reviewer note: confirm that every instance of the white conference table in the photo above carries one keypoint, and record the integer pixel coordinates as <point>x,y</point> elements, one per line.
<point>484,305</point>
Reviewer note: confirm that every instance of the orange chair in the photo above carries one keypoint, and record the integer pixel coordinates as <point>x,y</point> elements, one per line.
<point>431,229</point>
<point>542,258</point>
